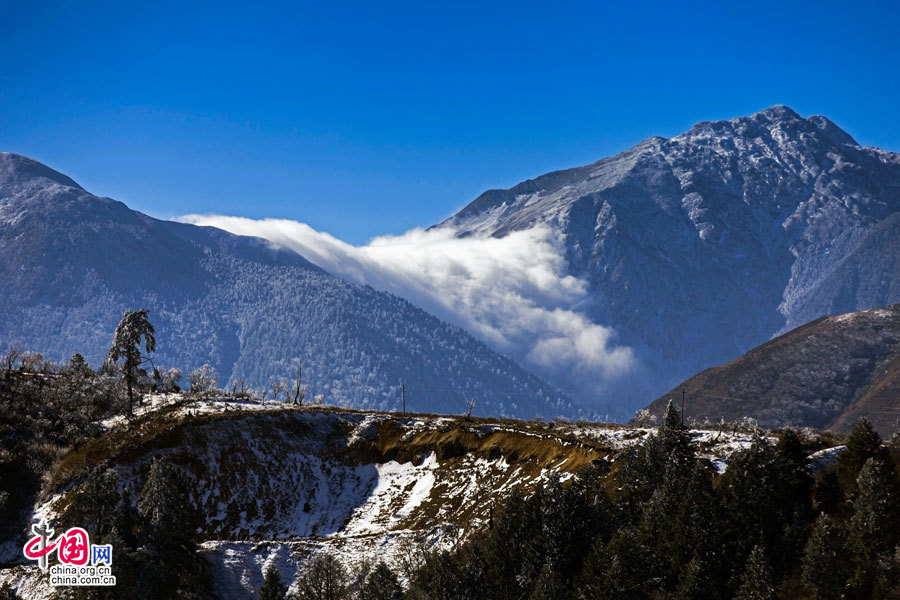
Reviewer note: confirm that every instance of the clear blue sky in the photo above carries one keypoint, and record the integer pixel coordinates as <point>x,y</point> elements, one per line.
<point>370,118</point>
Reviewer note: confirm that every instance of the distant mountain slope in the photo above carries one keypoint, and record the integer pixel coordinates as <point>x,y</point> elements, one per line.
<point>699,247</point>
<point>71,263</point>
<point>826,374</point>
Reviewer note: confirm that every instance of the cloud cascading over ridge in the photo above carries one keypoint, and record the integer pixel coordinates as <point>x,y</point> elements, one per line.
<point>512,291</point>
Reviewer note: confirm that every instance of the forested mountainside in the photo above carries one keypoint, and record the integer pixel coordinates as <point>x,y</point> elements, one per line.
<point>72,263</point>
<point>826,374</point>
<point>699,247</point>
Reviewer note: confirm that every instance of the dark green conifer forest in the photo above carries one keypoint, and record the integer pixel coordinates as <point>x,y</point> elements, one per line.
<point>660,523</point>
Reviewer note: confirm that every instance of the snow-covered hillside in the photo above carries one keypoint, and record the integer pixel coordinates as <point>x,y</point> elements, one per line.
<point>273,484</point>
<point>72,262</point>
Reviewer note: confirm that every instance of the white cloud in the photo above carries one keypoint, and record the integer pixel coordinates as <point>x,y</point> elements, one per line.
<point>513,291</point>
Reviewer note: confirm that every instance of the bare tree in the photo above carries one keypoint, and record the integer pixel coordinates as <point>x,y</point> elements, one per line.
<point>644,418</point>
<point>203,379</point>
<point>32,362</point>
<point>471,407</point>
<point>356,579</point>
<point>127,346</point>
<point>299,390</point>
<point>12,355</point>
<point>238,390</point>
<point>412,553</point>
<point>167,380</point>
<point>324,578</point>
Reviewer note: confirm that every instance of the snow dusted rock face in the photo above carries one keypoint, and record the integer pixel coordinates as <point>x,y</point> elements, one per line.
<point>72,263</point>
<point>273,485</point>
<point>699,247</point>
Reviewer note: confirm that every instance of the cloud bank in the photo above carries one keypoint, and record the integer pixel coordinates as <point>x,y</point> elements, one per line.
<point>512,292</point>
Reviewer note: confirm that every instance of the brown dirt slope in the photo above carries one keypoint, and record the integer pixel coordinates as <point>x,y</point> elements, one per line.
<point>825,374</point>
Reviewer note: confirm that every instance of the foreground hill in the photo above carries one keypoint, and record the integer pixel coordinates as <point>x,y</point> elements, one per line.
<point>272,484</point>
<point>200,496</point>
<point>699,247</point>
<point>72,262</point>
<point>826,375</point>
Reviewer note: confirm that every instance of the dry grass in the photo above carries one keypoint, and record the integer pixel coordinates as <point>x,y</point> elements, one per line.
<point>528,450</point>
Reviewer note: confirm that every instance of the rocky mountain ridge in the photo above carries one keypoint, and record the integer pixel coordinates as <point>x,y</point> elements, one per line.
<point>700,247</point>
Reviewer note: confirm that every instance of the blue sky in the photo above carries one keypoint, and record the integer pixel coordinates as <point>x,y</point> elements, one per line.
<point>370,118</point>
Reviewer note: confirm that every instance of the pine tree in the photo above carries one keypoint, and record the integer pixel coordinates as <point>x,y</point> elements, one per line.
<point>439,578</point>
<point>589,583</point>
<point>698,581</point>
<point>888,584</point>
<point>864,443</point>
<point>125,519</point>
<point>163,501</point>
<point>382,584</point>
<point>673,434</point>
<point>658,527</point>
<point>585,515</point>
<point>699,528</point>
<point>756,582</point>
<point>542,524</point>
<point>548,586</point>
<point>827,495</point>
<point>127,346</point>
<point>643,469</point>
<point>681,519</point>
<point>472,574</point>
<point>792,469</point>
<point>794,485</point>
<point>751,493</point>
<point>94,505</point>
<point>273,587</point>
<point>78,366</point>
<point>626,575</point>
<point>507,547</point>
<point>128,562</point>
<point>874,527</point>
<point>825,566</point>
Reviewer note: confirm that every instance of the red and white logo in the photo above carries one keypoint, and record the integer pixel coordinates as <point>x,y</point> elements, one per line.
<point>80,562</point>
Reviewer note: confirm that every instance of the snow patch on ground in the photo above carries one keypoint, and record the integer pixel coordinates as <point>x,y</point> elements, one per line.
<point>823,458</point>
<point>192,405</point>
<point>403,485</point>
<point>28,582</point>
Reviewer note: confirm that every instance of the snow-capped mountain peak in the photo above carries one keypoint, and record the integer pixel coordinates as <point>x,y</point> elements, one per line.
<point>17,169</point>
<point>698,247</point>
